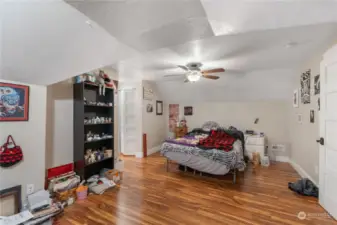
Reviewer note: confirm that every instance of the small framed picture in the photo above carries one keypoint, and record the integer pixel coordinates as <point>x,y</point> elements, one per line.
<point>149,108</point>
<point>188,111</point>
<point>312,116</point>
<point>159,108</point>
<point>295,99</point>
<point>10,201</point>
<point>14,102</point>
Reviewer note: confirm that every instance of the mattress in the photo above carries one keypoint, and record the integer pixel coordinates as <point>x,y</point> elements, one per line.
<point>212,161</point>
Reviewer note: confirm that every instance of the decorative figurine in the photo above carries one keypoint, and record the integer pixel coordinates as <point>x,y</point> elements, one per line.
<point>92,158</point>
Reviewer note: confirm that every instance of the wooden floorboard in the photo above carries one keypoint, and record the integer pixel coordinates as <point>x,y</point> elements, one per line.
<point>150,195</point>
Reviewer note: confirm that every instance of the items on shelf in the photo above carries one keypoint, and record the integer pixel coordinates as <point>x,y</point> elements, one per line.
<point>97,120</point>
<point>106,104</point>
<point>92,156</point>
<point>94,137</point>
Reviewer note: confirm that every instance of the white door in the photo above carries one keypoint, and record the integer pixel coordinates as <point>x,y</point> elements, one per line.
<point>328,132</point>
<point>128,126</point>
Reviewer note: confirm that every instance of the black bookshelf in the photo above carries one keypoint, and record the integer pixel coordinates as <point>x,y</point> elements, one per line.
<point>83,110</point>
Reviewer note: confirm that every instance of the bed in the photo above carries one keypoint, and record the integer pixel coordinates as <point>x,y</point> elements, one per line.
<point>207,158</point>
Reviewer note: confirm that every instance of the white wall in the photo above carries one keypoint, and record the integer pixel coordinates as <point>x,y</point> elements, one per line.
<point>59,136</point>
<point>153,125</point>
<point>31,136</point>
<point>272,118</point>
<point>305,150</point>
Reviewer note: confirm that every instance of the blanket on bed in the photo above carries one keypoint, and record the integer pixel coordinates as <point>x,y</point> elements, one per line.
<point>218,139</point>
<point>232,159</point>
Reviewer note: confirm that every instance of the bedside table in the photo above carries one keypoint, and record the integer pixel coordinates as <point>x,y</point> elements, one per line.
<point>255,143</point>
<point>180,132</point>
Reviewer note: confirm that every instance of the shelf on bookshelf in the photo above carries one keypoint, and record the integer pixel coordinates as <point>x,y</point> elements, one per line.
<point>99,106</point>
<point>91,124</point>
<point>102,139</point>
<point>98,161</point>
<point>96,85</point>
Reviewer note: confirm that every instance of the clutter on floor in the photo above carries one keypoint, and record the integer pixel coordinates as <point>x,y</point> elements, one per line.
<point>304,187</point>
<point>64,187</point>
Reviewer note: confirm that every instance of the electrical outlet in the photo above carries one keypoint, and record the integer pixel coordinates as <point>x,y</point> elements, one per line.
<point>30,189</point>
<point>316,170</point>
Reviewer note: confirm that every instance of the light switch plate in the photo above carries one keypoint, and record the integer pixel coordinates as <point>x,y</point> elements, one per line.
<point>30,189</point>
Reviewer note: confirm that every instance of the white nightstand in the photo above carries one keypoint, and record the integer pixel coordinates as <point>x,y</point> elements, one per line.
<point>255,143</point>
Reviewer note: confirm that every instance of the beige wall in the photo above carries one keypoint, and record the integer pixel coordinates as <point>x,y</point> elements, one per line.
<point>30,135</point>
<point>272,118</point>
<point>154,126</point>
<point>59,136</point>
<point>304,149</point>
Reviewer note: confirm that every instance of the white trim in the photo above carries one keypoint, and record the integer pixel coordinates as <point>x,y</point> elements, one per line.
<point>153,150</point>
<point>282,158</point>
<point>301,171</point>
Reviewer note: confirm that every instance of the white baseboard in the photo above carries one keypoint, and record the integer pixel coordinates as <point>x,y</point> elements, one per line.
<point>301,171</point>
<point>153,150</point>
<point>282,158</point>
<point>139,154</point>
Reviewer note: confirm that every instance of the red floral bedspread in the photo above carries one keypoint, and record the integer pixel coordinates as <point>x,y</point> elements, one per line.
<point>217,139</point>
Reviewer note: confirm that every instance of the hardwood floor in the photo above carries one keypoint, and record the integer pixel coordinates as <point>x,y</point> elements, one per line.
<point>150,195</point>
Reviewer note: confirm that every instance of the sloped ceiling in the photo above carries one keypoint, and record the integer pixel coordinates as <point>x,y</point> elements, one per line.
<point>44,42</point>
<point>256,41</point>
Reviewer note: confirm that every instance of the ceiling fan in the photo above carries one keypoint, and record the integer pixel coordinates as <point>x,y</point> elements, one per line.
<point>194,73</point>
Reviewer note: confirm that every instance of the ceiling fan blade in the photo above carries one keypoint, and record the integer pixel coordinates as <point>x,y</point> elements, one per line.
<point>217,70</point>
<point>174,75</point>
<point>211,77</point>
<point>183,67</point>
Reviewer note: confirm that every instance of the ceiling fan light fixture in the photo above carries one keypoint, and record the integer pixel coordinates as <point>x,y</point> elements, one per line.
<point>193,76</point>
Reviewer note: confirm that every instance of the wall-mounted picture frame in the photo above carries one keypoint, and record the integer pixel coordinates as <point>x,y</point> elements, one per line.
<point>148,93</point>
<point>317,84</point>
<point>159,108</point>
<point>295,99</point>
<point>14,102</point>
<point>188,111</point>
<point>312,116</point>
<point>10,201</point>
<point>149,108</point>
<point>305,87</point>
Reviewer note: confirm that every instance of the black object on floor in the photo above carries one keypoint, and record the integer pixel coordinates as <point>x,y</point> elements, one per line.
<point>304,187</point>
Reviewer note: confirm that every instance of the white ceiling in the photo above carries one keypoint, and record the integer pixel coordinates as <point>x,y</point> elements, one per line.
<point>44,42</point>
<point>52,41</point>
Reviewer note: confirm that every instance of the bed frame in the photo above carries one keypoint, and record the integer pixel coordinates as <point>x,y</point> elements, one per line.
<point>233,172</point>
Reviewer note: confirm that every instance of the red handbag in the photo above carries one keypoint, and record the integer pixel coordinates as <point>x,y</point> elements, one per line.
<point>10,153</point>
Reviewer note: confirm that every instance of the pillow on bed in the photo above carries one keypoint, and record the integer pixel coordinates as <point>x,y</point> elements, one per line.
<point>210,125</point>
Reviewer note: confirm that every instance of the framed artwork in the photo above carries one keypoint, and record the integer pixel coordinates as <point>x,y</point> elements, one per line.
<point>188,111</point>
<point>14,102</point>
<point>312,116</point>
<point>10,201</point>
<point>295,99</point>
<point>173,116</point>
<point>147,93</point>
<point>305,87</point>
<point>317,85</point>
<point>159,108</point>
<point>149,108</point>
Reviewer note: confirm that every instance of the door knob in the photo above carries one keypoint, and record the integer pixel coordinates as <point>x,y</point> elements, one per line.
<point>321,141</point>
